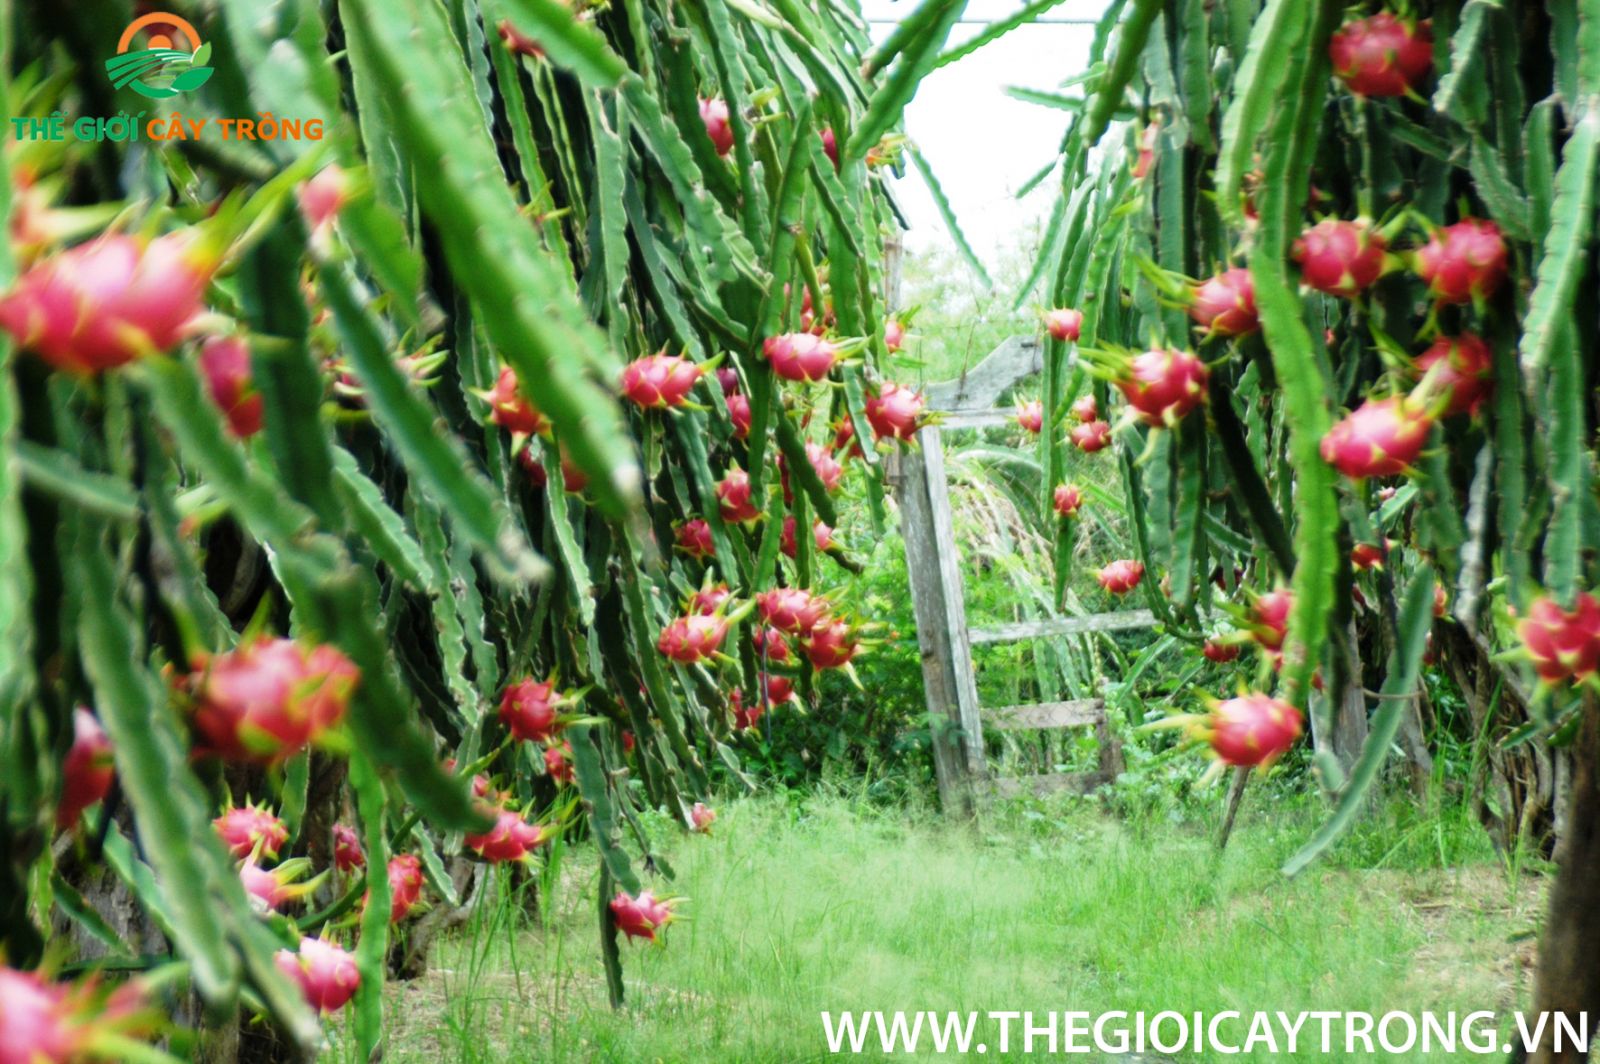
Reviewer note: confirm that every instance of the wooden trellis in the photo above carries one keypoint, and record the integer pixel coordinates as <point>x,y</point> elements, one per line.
<point>938,599</point>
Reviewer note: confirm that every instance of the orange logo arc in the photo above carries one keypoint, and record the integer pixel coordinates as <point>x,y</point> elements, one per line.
<point>159,18</point>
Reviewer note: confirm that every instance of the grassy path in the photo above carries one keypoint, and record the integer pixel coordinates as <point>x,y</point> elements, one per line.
<point>799,909</point>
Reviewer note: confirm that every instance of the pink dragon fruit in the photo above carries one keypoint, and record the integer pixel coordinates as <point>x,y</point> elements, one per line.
<point>531,709</point>
<point>739,414</point>
<point>87,771</point>
<point>895,412</point>
<point>511,410</point>
<point>1251,730</point>
<point>103,304</point>
<point>694,538</point>
<point>1030,415</point>
<point>800,356</point>
<point>821,532</point>
<point>510,839</point>
<point>894,335</point>
<point>1085,409</point>
<point>324,196</point>
<point>831,644</point>
<point>1340,258</point>
<point>661,381</point>
<point>770,644</point>
<point>1564,645</point>
<point>714,113</point>
<point>640,917</point>
<point>702,817</point>
<point>1064,324</point>
<point>1269,618</point>
<point>1465,373</point>
<point>1164,385</point>
<point>225,365</point>
<point>1380,438</point>
<point>1364,556</point>
<point>1121,576</point>
<point>1219,651</point>
<point>405,885</point>
<point>1465,262</point>
<point>272,888</point>
<point>558,763</point>
<point>47,1022</point>
<point>1091,436</point>
<point>518,42</point>
<point>325,972</point>
<point>1382,55</point>
<point>348,857</point>
<point>1225,305</point>
<point>1068,498</point>
<point>245,827</point>
<point>734,499</point>
<point>830,147</point>
<point>265,700</point>
<point>692,639</point>
<point>710,599</point>
<point>791,610</point>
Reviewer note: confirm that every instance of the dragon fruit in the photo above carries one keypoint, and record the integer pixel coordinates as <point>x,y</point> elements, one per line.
<point>739,414</point>
<point>1064,324</point>
<point>694,538</point>
<point>245,827</point>
<point>1465,373</point>
<point>531,709</point>
<point>1340,258</point>
<point>265,700</point>
<point>1564,645</point>
<point>510,839</point>
<point>641,917</point>
<point>1164,385</point>
<point>744,717</point>
<point>1030,415</point>
<point>894,412</point>
<point>770,644</point>
<point>709,599</point>
<point>87,771</point>
<point>1251,730</point>
<point>1225,305</point>
<point>830,146</point>
<point>1067,500</point>
<point>1364,556</point>
<point>1380,438</point>
<point>1091,436</point>
<point>1220,651</point>
<point>800,356</point>
<point>827,468</point>
<point>1269,618</point>
<point>510,409</point>
<point>701,817</point>
<point>728,379</point>
<point>831,644</point>
<point>734,500</point>
<point>517,41</point>
<point>348,857</point>
<point>791,610</point>
<point>1121,576</point>
<point>714,113</point>
<point>272,888</point>
<point>323,196</point>
<point>1465,262</point>
<point>821,532</point>
<point>661,381</point>
<point>105,303</point>
<point>405,885</point>
<point>48,1022</point>
<point>225,365</point>
<point>325,972</point>
<point>1382,55</point>
<point>692,639</point>
<point>1085,409</point>
<point>558,763</point>
<point>894,334</point>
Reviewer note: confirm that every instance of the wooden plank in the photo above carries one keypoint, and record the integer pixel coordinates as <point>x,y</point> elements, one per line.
<point>1094,622</point>
<point>948,560</point>
<point>909,479</point>
<point>1016,359</point>
<point>1047,715</point>
<point>1051,783</point>
<point>975,419</point>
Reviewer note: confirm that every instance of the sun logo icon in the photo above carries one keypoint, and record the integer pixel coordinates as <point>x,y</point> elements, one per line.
<point>172,60</point>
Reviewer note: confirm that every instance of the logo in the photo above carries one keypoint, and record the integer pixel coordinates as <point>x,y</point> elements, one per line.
<point>172,60</point>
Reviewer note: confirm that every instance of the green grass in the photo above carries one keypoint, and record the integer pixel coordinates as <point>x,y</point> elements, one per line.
<point>820,904</point>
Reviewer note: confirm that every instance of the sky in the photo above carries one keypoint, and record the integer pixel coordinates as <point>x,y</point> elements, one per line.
<point>982,144</point>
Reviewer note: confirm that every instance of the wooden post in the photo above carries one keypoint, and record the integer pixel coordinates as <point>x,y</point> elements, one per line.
<point>909,477</point>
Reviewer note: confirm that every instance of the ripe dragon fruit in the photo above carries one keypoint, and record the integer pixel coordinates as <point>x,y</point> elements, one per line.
<point>87,770</point>
<point>823,464</point>
<point>1382,55</point>
<point>692,639</point>
<point>821,533</point>
<point>1364,556</point>
<point>270,889</point>
<point>641,917</point>
<point>744,717</point>
<point>405,885</point>
<point>830,147</point>
<point>775,689</point>
<point>1380,438</point>
<point>531,709</point>
<point>1085,409</point>
<point>244,828</point>
<point>509,409</point>
<point>701,817</point>
<point>1269,618</point>
<point>709,599</point>
<point>1091,436</point>
<point>831,644</point>
<point>739,414</point>
<point>510,839</point>
<point>714,113</point>
<point>895,412</point>
<point>844,438</point>
<point>1068,498</point>
<point>1340,258</point>
<point>694,538</point>
<point>573,479</point>
<point>1219,651</point>
<point>105,303</point>
<point>1564,645</point>
<point>325,972</point>
<point>558,763</point>
<point>265,700</point>
<point>1225,305</point>
<point>661,381</point>
<point>348,857</point>
<point>1030,415</point>
<point>1121,576</point>
<point>800,356</point>
<point>1465,262</point>
<point>734,500</point>
<point>894,335</point>
<point>1064,324</point>
<point>225,365</point>
<point>1465,371</point>
<point>770,644</point>
<point>517,41</point>
<point>48,1022</point>
<point>323,196</point>
<point>528,459</point>
<point>1251,730</point>
<point>791,610</point>
<point>1164,385</point>
<point>728,379</point>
